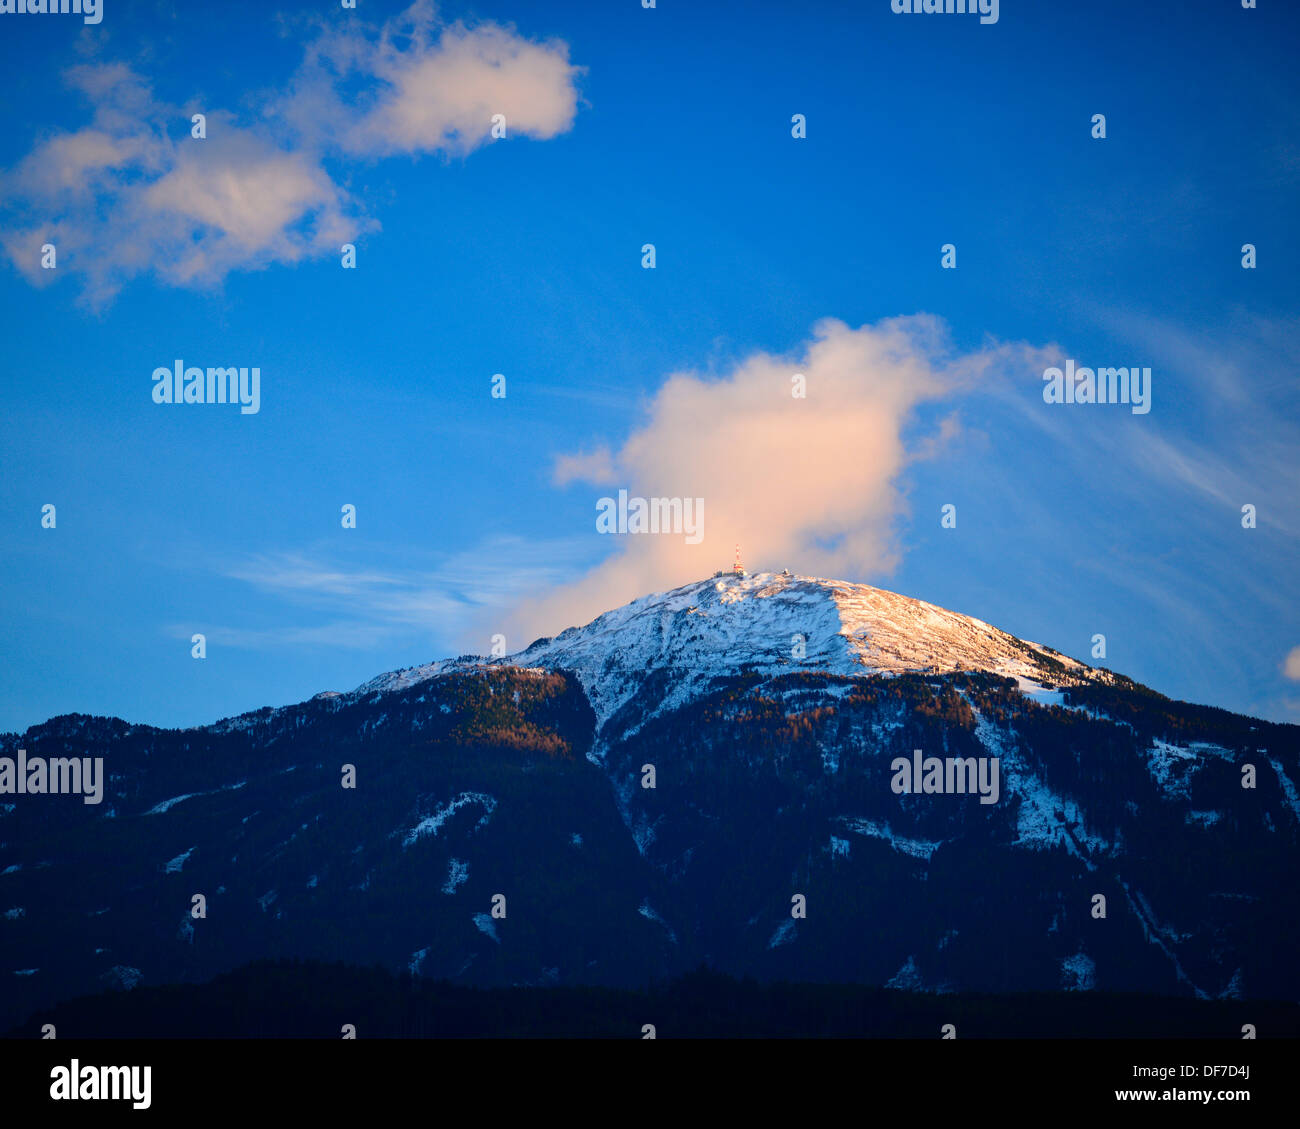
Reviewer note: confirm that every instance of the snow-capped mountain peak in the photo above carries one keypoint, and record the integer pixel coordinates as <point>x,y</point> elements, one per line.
<point>778,623</point>
<point>768,623</point>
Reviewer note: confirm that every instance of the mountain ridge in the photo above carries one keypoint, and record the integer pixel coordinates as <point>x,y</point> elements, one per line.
<point>730,622</point>
<point>526,776</point>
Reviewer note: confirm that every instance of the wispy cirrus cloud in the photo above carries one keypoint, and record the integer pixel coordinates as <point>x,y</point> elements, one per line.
<point>457,602</point>
<point>1234,438</point>
<point>132,193</point>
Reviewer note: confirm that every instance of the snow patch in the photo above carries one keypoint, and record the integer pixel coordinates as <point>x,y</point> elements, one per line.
<point>1044,820</point>
<point>167,805</point>
<point>457,873</point>
<point>907,978</point>
<point>1078,973</point>
<point>785,933</point>
<point>432,824</point>
<point>1039,693</point>
<point>917,848</point>
<point>649,914</point>
<point>174,867</point>
<point>1233,991</point>
<point>1161,936</point>
<point>1171,768</point>
<point>122,977</point>
<point>1288,788</point>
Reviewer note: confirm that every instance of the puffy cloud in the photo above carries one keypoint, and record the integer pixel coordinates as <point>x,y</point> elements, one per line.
<point>811,484</point>
<point>445,97</point>
<point>123,196</point>
<point>77,163</point>
<point>237,201</point>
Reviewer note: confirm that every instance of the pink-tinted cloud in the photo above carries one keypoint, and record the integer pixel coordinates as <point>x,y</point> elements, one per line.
<point>812,483</point>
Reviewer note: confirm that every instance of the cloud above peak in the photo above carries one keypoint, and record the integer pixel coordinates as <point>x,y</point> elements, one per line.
<point>133,193</point>
<point>811,482</point>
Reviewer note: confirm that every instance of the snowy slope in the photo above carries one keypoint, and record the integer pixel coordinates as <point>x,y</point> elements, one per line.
<point>714,628</point>
<point>717,626</point>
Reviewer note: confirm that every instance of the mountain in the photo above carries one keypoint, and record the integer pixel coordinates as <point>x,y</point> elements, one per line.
<point>686,639</point>
<point>1112,845</point>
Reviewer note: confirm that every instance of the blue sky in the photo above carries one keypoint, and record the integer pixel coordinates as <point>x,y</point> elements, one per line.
<point>522,256</point>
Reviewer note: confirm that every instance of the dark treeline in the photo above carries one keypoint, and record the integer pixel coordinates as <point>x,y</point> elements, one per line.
<point>298,999</point>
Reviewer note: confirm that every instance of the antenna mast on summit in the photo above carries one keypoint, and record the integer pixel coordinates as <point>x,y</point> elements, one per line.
<point>738,568</point>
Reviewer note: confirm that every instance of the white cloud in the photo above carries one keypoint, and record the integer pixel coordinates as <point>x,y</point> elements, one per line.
<point>132,194</point>
<point>445,96</point>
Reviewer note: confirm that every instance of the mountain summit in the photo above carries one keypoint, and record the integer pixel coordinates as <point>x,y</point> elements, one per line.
<point>775,623</point>
<point>772,624</point>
